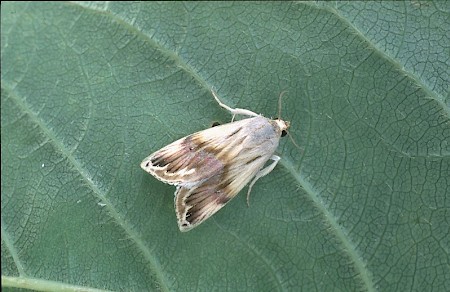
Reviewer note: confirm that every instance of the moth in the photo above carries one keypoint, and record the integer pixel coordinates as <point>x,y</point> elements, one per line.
<point>210,167</point>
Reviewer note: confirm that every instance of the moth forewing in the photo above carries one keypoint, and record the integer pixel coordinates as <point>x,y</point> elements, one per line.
<point>210,167</point>
<point>185,161</point>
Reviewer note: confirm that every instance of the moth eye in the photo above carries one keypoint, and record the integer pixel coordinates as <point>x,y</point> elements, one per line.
<point>215,124</point>
<point>283,133</point>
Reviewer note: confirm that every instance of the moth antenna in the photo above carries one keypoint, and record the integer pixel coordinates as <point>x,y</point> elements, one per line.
<point>279,117</point>
<point>293,141</point>
<point>279,103</point>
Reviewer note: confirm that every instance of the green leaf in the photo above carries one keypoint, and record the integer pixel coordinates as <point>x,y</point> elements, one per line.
<point>91,89</point>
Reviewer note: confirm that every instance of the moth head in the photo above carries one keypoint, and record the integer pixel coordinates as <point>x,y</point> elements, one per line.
<point>283,126</point>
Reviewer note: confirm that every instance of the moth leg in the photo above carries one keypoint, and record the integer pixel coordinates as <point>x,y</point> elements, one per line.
<point>261,173</point>
<point>234,111</point>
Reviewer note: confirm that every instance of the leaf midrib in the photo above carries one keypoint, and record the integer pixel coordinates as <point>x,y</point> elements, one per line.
<point>349,247</point>
<point>133,235</point>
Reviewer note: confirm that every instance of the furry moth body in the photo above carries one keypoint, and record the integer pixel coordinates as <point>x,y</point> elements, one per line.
<point>210,167</point>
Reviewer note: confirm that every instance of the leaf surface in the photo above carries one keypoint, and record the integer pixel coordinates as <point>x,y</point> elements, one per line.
<point>91,89</point>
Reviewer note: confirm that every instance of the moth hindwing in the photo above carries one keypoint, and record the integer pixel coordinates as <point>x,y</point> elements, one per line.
<point>210,167</point>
